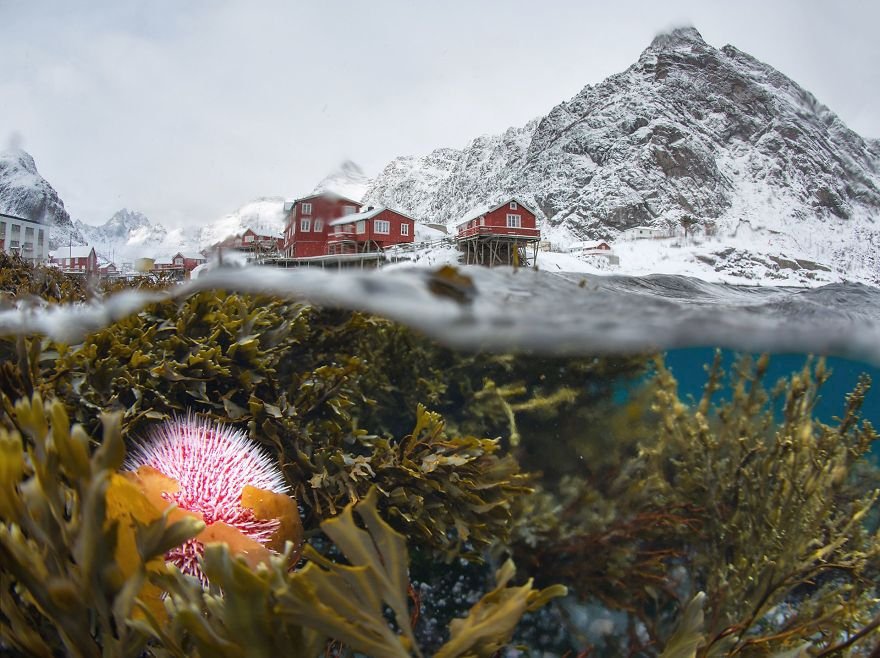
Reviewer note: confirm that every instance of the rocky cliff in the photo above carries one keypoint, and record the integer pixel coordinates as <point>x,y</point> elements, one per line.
<point>25,193</point>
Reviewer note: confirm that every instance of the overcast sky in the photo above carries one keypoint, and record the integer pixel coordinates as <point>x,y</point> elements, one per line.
<point>185,110</point>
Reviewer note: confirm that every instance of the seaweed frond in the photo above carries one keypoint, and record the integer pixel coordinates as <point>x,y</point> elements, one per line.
<point>76,540</point>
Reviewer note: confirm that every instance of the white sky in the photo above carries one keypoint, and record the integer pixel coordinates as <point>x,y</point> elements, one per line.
<point>186,109</point>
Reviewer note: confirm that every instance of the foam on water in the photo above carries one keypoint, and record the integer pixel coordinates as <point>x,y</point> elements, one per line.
<point>499,309</point>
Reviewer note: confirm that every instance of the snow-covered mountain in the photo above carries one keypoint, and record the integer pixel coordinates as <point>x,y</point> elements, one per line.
<point>264,215</point>
<point>127,235</point>
<point>687,132</point>
<point>348,180</point>
<point>25,193</point>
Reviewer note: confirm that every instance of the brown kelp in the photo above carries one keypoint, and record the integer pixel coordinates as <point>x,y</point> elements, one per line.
<point>749,500</point>
<point>732,524</point>
<point>340,398</point>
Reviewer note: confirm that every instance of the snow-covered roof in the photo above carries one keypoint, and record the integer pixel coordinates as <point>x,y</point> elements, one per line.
<point>473,213</point>
<point>190,255</point>
<point>483,209</point>
<point>365,214</point>
<point>357,216</point>
<point>16,217</point>
<point>587,244</point>
<point>78,251</point>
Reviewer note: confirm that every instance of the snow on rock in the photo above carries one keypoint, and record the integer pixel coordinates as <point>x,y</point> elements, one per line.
<point>348,180</point>
<point>446,183</point>
<point>265,216</point>
<point>25,193</point>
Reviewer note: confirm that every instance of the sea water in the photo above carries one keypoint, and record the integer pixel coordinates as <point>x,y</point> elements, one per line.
<point>538,314</point>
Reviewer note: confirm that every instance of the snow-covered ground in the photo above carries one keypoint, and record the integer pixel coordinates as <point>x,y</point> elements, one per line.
<point>732,260</point>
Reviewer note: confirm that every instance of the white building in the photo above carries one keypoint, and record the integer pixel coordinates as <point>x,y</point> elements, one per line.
<point>644,233</point>
<point>21,236</point>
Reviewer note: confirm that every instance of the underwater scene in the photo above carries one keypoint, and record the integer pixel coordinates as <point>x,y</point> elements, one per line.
<point>453,462</point>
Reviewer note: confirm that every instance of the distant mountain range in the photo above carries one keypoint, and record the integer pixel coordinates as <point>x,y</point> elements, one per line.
<point>689,134</point>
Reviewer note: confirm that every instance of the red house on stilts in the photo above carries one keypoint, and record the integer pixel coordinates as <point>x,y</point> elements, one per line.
<point>504,234</point>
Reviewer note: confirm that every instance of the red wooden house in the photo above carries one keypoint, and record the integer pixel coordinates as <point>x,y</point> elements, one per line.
<point>505,234</point>
<point>373,229</point>
<point>188,262</point>
<point>77,260</point>
<point>256,242</point>
<point>511,218</point>
<point>107,270</point>
<point>308,223</point>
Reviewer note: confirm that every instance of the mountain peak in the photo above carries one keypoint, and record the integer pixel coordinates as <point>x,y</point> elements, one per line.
<point>348,180</point>
<point>677,38</point>
<point>20,158</point>
<point>129,219</point>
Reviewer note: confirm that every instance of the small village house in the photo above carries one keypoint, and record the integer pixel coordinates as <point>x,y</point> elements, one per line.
<point>255,244</point>
<point>107,269</point>
<point>76,259</point>
<point>177,266</point>
<point>590,246</point>
<point>187,261</point>
<point>644,233</point>
<point>506,233</point>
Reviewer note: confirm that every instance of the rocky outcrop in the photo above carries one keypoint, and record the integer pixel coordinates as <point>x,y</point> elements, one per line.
<point>25,193</point>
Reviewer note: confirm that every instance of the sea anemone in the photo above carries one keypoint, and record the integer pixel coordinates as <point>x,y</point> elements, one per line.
<point>219,475</point>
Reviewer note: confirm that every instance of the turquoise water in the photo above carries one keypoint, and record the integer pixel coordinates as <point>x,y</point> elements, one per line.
<point>688,366</point>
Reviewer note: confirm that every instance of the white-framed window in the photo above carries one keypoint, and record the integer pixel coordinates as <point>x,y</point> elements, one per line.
<point>348,210</point>
<point>360,227</point>
<point>382,226</point>
<point>337,228</point>
<point>178,261</point>
<point>319,225</point>
<point>514,221</point>
<point>248,238</point>
<point>513,205</point>
<point>404,229</point>
<point>305,225</point>
<point>307,209</point>
<point>482,221</point>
